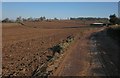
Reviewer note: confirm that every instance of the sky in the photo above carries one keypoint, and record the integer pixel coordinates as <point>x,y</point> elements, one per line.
<point>60,0</point>
<point>58,9</point>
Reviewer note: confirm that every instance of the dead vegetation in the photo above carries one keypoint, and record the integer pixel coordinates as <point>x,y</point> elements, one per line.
<point>48,67</point>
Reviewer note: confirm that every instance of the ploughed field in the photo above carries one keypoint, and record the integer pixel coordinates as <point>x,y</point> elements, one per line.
<point>25,46</point>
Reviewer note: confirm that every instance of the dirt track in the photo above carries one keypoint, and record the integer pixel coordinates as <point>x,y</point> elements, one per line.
<point>76,63</point>
<point>88,57</point>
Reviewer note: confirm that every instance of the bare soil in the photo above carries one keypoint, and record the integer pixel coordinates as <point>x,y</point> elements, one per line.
<point>25,47</point>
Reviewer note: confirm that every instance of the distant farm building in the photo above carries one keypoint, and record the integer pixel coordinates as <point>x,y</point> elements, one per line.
<point>100,24</point>
<point>97,24</point>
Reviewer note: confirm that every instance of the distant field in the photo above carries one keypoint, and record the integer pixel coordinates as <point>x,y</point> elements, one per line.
<point>15,31</point>
<point>56,24</point>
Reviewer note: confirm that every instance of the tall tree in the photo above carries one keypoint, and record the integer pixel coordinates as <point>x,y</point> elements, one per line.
<point>6,20</point>
<point>113,19</point>
<point>19,19</point>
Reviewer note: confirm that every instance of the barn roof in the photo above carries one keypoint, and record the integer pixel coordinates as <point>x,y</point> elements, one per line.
<point>97,23</point>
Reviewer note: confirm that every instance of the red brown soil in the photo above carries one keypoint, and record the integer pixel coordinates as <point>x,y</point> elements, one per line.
<point>56,24</point>
<point>25,47</point>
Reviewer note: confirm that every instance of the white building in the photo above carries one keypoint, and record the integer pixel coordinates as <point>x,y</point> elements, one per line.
<point>97,24</point>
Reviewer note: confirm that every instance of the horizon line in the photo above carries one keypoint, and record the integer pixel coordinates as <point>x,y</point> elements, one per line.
<point>54,17</point>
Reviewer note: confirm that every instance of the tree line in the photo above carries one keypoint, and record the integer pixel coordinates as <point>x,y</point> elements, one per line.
<point>113,19</point>
<point>102,20</point>
<point>88,18</point>
<point>20,19</point>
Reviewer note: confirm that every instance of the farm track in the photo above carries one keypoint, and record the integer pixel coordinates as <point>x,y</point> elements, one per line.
<point>96,62</point>
<point>100,64</point>
<point>103,56</point>
<point>76,63</point>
